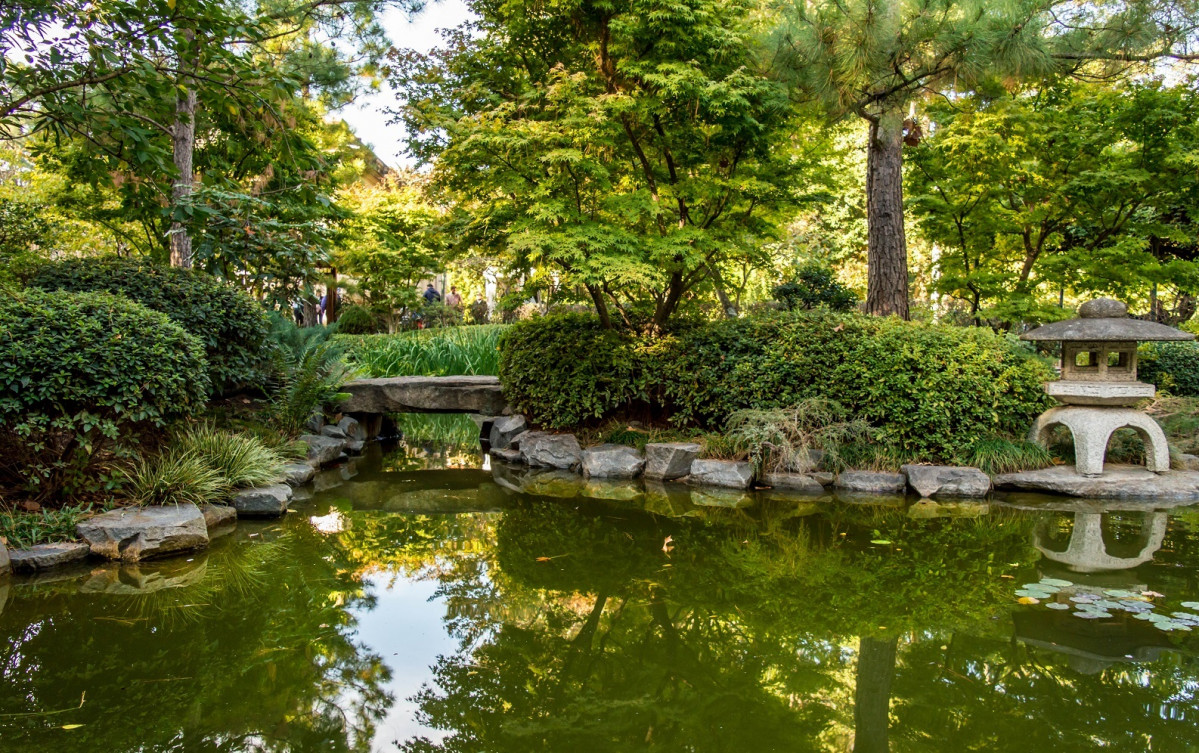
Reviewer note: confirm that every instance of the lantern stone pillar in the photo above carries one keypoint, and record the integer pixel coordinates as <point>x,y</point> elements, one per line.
<point>1098,384</point>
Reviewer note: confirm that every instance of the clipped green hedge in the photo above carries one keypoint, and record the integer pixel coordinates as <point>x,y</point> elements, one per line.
<point>231,325</point>
<point>564,371</point>
<point>1173,367</point>
<point>80,375</point>
<point>931,391</point>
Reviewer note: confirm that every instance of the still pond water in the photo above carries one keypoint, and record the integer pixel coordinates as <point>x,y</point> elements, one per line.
<point>420,602</point>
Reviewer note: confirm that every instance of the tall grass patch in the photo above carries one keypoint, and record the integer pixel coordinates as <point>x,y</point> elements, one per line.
<point>450,351</point>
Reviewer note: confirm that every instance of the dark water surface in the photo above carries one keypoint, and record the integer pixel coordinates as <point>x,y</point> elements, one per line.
<point>415,604</point>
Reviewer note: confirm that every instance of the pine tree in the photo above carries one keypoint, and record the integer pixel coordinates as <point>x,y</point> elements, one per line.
<point>875,58</point>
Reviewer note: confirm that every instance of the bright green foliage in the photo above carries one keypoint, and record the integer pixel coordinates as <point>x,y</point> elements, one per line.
<point>928,390</point>
<point>563,371</point>
<point>630,148</point>
<point>230,324</point>
<point>1082,189</point>
<point>80,376</point>
<point>385,245</point>
<point>24,529</point>
<point>440,352</point>
<point>241,460</point>
<point>1173,367</point>
<point>172,478</point>
<point>815,285</point>
<point>22,227</point>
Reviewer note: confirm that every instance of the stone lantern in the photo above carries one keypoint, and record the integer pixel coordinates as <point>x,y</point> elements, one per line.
<point>1098,384</point>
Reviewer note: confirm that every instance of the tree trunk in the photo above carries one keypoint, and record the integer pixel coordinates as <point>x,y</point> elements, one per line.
<point>727,307</point>
<point>872,696</point>
<point>183,136</point>
<point>887,255</point>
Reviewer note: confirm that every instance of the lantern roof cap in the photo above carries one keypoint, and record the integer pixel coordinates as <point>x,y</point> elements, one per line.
<point>1105,320</point>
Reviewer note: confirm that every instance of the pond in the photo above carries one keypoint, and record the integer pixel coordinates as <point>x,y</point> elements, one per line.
<point>419,601</point>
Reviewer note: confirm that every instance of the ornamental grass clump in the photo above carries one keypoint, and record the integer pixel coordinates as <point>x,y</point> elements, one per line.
<point>789,439</point>
<point>241,460</point>
<point>173,477</point>
<point>999,455</point>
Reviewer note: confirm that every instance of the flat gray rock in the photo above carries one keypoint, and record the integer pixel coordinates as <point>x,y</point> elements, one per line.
<point>449,394</point>
<point>560,451</point>
<point>315,423</point>
<point>263,501</point>
<point>669,460</point>
<point>824,477</point>
<point>1117,482</point>
<point>1185,462</point>
<point>872,482</point>
<point>43,556</point>
<point>322,450</point>
<point>504,429</point>
<point>507,456</point>
<point>333,431</point>
<point>216,516</point>
<point>730,474</point>
<point>298,474</point>
<point>133,534</point>
<point>947,481</point>
<point>525,436</point>
<point>800,482</point>
<point>612,461</point>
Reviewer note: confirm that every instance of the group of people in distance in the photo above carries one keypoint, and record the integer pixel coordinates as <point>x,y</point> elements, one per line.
<point>452,299</point>
<point>297,309</point>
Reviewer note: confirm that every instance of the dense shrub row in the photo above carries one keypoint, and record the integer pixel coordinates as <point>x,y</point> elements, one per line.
<point>930,391</point>
<point>1173,367</point>
<point>230,324</point>
<point>81,375</point>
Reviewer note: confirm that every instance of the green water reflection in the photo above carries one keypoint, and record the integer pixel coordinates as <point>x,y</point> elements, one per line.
<point>466,610</point>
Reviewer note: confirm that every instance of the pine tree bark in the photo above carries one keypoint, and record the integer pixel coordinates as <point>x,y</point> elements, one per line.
<point>183,136</point>
<point>872,695</point>
<point>887,255</point>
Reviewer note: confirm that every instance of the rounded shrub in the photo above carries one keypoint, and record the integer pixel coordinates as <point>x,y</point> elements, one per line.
<point>930,391</point>
<point>1173,367</point>
<point>230,324</point>
<point>357,320</point>
<point>81,375</point>
<point>566,370</point>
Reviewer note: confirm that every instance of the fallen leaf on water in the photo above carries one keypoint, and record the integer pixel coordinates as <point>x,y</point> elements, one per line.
<point>1009,577</point>
<point>71,726</point>
<point>879,541</point>
<point>544,559</point>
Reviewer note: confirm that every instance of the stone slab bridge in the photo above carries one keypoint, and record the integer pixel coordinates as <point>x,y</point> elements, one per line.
<point>413,394</point>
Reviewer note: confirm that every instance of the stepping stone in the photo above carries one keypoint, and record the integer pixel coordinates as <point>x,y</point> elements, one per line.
<point>612,461</point>
<point>665,461</point>
<point>561,451</point>
<point>799,482</point>
<point>872,482</point>
<point>947,481</point>
<point>133,534</point>
<point>730,474</point>
<point>263,501</point>
<point>44,556</point>
<point>298,474</point>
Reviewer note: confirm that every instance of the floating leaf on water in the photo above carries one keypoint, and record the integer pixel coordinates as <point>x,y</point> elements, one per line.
<point>1119,593</point>
<point>1157,617</point>
<point>879,541</point>
<point>1035,594</point>
<point>1169,625</point>
<point>1088,614</point>
<point>1185,616</point>
<point>1057,605</point>
<point>1132,605</point>
<point>1041,587</point>
<point>1143,616</point>
<point>1056,582</point>
<point>1106,604</point>
<point>1190,605</point>
<point>1083,598</point>
<point>1029,600</point>
<point>71,726</point>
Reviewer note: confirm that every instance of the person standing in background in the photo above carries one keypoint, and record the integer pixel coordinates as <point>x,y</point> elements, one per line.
<point>453,300</point>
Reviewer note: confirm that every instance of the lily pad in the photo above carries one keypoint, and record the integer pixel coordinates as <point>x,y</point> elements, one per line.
<point>1057,605</point>
<point>1185,616</point>
<point>1083,598</point>
<point>1088,614</point>
<point>1120,593</point>
<point>1025,592</point>
<point>1147,616</point>
<point>1056,582</point>
<point>1190,605</point>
